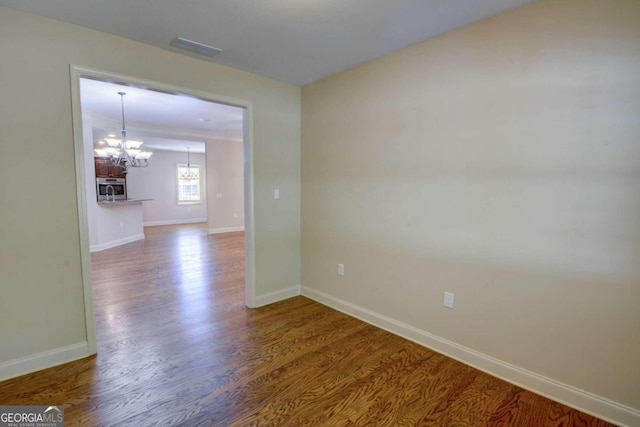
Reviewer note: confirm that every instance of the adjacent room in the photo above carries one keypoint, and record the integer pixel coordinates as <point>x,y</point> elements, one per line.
<point>172,180</point>
<point>433,216</point>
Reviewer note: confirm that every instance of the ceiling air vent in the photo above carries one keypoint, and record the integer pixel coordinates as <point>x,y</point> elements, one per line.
<point>196,49</point>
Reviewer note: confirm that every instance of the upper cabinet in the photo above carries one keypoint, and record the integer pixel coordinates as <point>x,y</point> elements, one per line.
<point>106,169</point>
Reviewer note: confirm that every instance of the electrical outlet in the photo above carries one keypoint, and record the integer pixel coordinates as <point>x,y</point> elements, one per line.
<point>276,193</point>
<point>340,269</point>
<point>121,224</point>
<point>448,299</point>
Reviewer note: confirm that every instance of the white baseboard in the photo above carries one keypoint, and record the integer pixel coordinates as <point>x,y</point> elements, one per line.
<point>114,243</point>
<point>174,222</point>
<point>571,396</point>
<point>26,365</point>
<point>225,230</point>
<point>272,297</point>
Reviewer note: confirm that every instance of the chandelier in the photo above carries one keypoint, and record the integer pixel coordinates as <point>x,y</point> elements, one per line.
<point>125,153</point>
<point>188,174</point>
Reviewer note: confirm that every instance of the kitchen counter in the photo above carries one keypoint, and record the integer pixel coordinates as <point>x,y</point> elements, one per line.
<point>117,223</point>
<point>122,202</point>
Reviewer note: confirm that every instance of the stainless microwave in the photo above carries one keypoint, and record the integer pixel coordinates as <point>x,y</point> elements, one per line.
<point>111,189</point>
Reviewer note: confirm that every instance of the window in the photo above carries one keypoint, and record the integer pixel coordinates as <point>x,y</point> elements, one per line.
<point>188,189</point>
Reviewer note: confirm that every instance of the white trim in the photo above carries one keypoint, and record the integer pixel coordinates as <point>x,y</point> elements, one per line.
<point>83,215</point>
<point>270,298</point>
<point>249,211</point>
<point>174,222</point>
<point>77,72</point>
<point>571,396</point>
<point>114,243</point>
<point>37,362</point>
<point>226,230</point>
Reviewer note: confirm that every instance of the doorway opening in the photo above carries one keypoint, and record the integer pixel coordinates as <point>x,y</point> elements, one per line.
<point>225,211</point>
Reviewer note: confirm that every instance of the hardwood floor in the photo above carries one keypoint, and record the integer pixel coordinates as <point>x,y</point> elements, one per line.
<point>177,347</point>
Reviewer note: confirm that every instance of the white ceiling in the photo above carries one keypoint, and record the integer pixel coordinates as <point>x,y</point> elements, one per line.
<point>295,41</point>
<point>161,120</point>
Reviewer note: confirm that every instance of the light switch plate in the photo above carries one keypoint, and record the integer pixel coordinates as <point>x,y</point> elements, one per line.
<point>448,299</point>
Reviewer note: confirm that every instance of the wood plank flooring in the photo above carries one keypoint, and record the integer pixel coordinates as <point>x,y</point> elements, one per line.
<point>177,347</point>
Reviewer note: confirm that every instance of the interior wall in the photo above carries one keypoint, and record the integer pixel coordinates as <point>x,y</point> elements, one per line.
<point>499,162</point>
<point>225,183</point>
<point>42,308</point>
<point>108,226</point>
<point>158,181</point>
<point>90,181</point>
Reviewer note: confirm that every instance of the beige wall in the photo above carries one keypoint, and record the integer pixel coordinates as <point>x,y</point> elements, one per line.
<point>224,177</point>
<point>41,305</point>
<point>500,162</point>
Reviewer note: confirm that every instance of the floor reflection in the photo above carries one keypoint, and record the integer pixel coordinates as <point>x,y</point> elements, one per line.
<point>192,280</point>
<point>169,291</point>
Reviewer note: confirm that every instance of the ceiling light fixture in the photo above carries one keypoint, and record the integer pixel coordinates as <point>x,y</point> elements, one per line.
<point>188,174</point>
<point>125,153</point>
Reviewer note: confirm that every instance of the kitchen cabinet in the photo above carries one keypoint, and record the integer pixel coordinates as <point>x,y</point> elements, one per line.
<point>106,169</point>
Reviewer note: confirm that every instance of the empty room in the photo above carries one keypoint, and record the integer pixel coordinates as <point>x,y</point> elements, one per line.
<point>441,208</point>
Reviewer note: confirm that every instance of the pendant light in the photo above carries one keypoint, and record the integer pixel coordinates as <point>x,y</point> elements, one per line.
<point>188,174</point>
<point>125,153</point>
